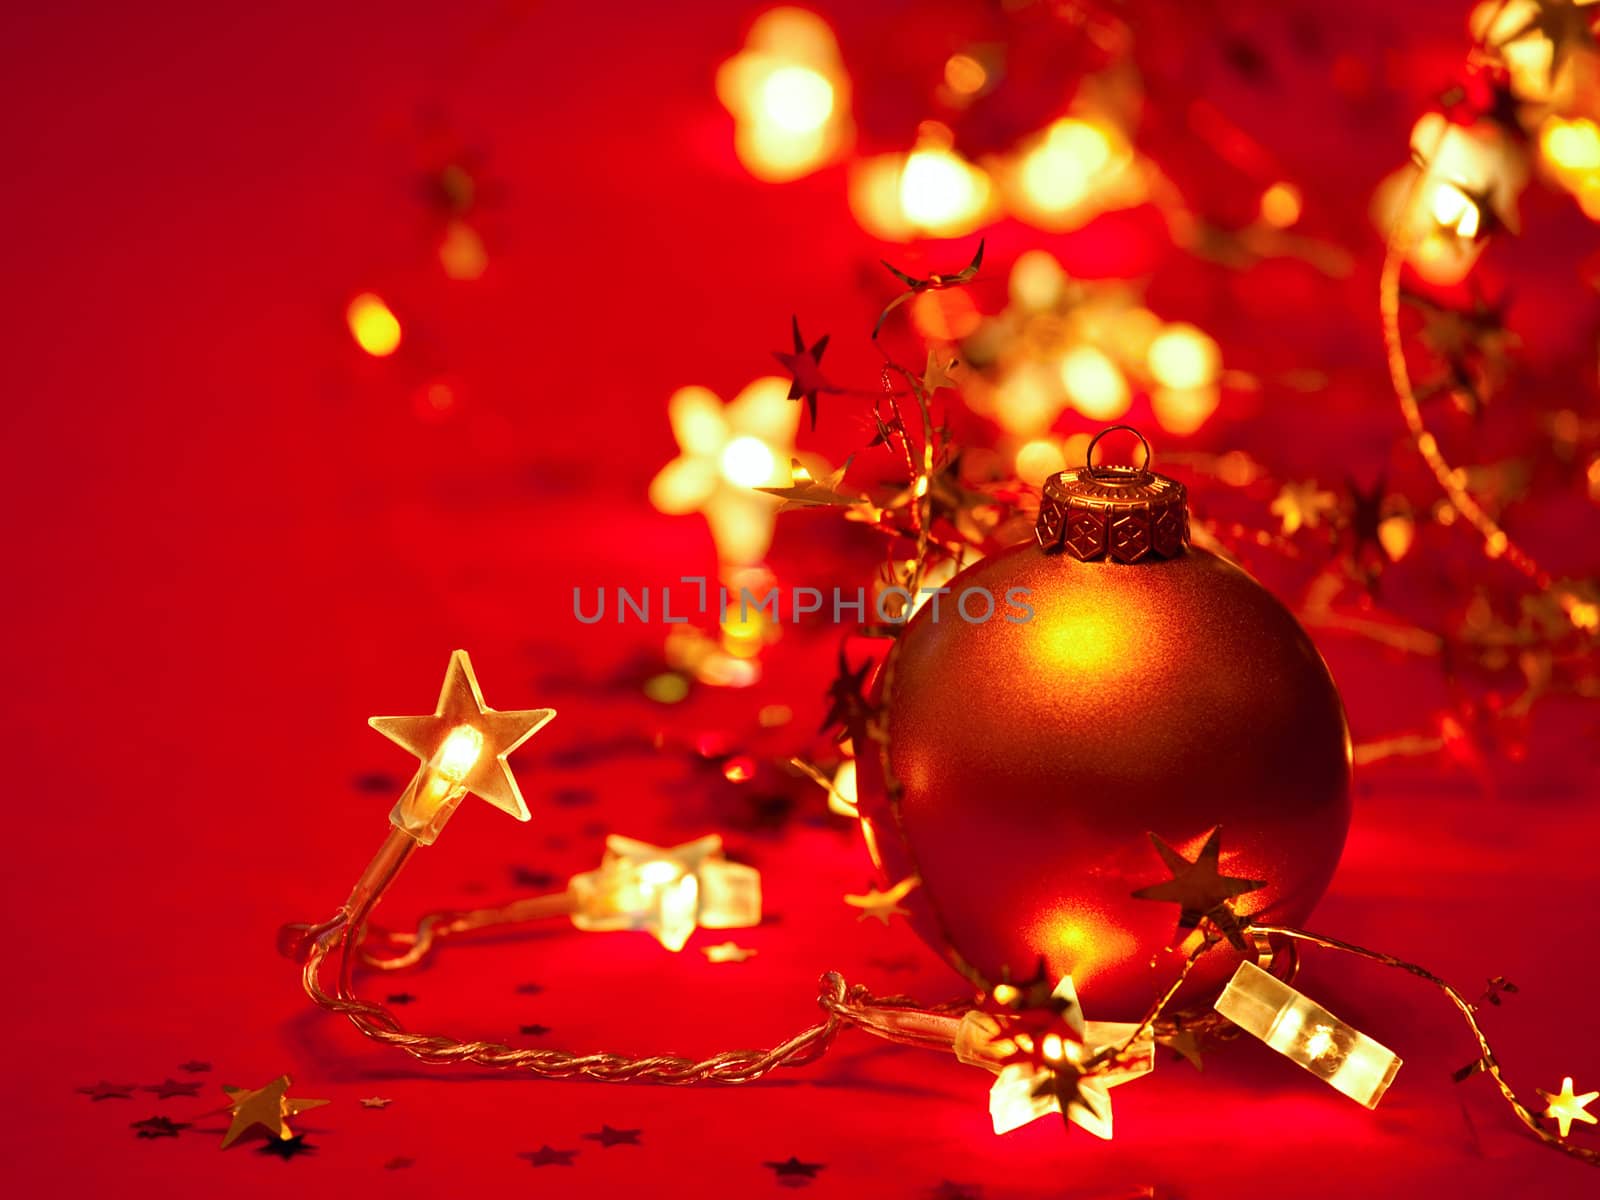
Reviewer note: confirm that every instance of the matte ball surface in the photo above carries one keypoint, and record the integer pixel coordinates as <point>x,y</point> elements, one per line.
<point>1167,696</point>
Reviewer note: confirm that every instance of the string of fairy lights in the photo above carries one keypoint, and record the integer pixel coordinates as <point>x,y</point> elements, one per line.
<point>1059,344</point>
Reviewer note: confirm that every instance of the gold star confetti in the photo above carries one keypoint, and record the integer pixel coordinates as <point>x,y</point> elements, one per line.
<point>464,742</point>
<point>1199,890</point>
<point>376,1102</point>
<point>1566,1108</point>
<point>724,952</point>
<point>883,905</point>
<point>268,1106</point>
<point>1302,506</point>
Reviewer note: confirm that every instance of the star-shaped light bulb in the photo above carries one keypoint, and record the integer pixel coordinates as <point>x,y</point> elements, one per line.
<point>668,892</point>
<point>727,451</point>
<point>1060,1082</point>
<point>1566,1108</point>
<point>463,746</point>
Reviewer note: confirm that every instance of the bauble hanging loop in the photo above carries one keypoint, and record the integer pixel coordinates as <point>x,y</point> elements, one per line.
<point>1122,514</point>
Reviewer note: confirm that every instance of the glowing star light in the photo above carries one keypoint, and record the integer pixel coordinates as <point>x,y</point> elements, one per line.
<point>788,94</point>
<point>729,451</point>
<point>1054,1074</point>
<point>268,1107</point>
<point>463,746</point>
<point>1566,1108</point>
<point>668,892</point>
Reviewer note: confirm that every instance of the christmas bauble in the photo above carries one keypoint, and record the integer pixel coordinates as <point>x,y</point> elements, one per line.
<point>1153,687</point>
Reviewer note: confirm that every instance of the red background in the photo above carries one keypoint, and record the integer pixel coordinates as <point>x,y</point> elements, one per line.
<point>231,540</point>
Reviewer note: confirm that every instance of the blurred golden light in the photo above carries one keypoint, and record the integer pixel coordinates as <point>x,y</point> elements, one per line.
<point>1057,172</point>
<point>461,252</point>
<point>964,75</point>
<point>1571,145</point>
<point>1183,357</point>
<point>747,461</point>
<point>375,328</point>
<point>1027,401</point>
<point>1395,535</point>
<point>1454,210</point>
<point>797,99</point>
<point>1038,460</point>
<point>1593,476</point>
<point>1182,411</point>
<point>1095,386</point>
<point>842,793</point>
<point>1037,280</point>
<point>726,452</point>
<point>1280,205</point>
<point>788,94</point>
<point>941,192</point>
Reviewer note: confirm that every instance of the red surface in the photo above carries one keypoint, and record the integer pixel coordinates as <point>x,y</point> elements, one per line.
<point>231,541</point>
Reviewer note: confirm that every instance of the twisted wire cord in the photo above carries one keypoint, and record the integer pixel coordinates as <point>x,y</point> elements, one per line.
<point>843,1003</point>
<point>1487,1061</point>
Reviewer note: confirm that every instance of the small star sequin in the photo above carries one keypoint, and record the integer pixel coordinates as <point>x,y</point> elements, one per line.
<point>401,998</point>
<point>883,905</point>
<point>726,952</point>
<point>286,1148</point>
<point>108,1091</point>
<point>169,1088</point>
<point>792,1170</point>
<point>544,1156</point>
<point>157,1127</point>
<point>609,1137</point>
<point>1198,888</point>
<point>376,1102</point>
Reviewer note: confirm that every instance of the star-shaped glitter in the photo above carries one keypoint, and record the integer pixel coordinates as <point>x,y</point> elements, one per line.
<point>726,952</point>
<point>805,364</point>
<point>400,998</point>
<point>268,1106</point>
<point>287,1148</point>
<point>169,1088</point>
<point>915,286</point>
<point>937,373</point>
<point>793,1168</point>
<point>883,905</point>
<point>609,1137</point>
<point>1566,1108</point>
<point>544,1156</point>
<point>376,1101</point>
<point>461,704</point>
<point>1199,889</point>
<point>108,1091</point>
<point>1185,1045</point>
<point>846,704</point>
<point>157,1127</point>
<point>1302,506</point>
<point>194,1066</point>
